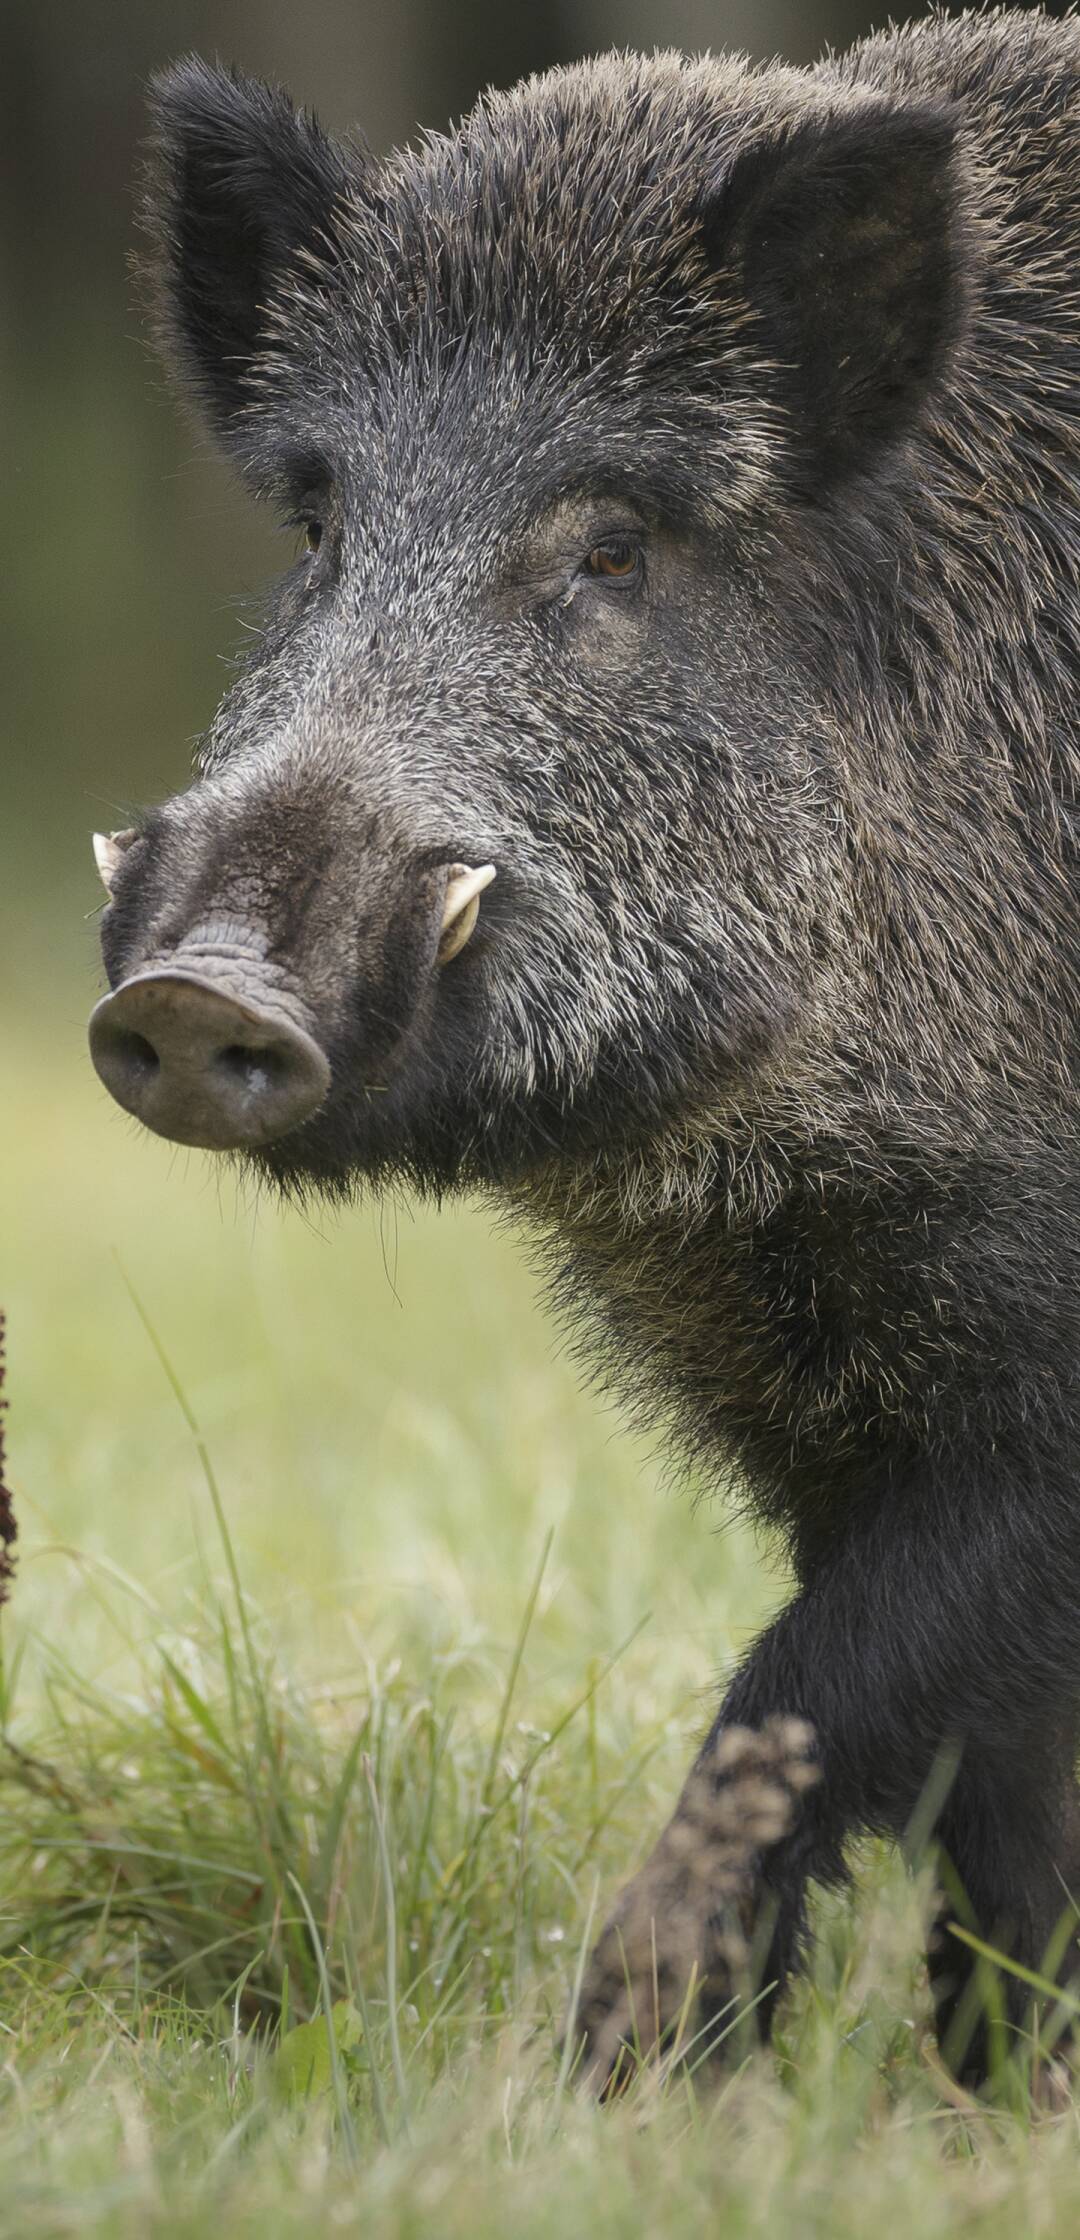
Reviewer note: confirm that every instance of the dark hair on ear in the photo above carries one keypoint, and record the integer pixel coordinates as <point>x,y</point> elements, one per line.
<point>846,235</point>
<point>238,184</point>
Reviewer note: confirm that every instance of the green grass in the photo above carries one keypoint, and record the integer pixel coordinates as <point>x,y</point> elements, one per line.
<point>348,1683</point>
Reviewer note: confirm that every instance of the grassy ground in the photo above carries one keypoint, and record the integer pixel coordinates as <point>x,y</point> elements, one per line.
<point>348,1682</point>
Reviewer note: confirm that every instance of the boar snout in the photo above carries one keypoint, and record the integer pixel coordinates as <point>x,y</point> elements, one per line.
<point>204,1065</point>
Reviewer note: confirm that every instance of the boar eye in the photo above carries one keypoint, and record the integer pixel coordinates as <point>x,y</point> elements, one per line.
<point>618,558</point>
<point>313,535</point>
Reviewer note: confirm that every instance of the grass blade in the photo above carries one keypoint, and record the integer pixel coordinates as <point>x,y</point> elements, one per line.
<point>341,2100</point>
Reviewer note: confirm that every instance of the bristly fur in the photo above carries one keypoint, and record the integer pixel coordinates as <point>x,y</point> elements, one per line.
<point>769,1030</point>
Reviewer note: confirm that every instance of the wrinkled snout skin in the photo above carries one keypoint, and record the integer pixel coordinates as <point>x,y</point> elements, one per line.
<point>684,460</point>
<point>254,946</point>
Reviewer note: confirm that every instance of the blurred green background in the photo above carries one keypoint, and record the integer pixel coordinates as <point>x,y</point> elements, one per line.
<point>384,1401</point>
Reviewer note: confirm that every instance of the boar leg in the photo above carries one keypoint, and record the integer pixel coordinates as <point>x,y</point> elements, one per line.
<point>943,1624</point>
<point>1009,1835</point>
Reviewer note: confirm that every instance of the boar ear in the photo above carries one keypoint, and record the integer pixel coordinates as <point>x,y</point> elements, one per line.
<point>239,183</point>
<point>845,238</point>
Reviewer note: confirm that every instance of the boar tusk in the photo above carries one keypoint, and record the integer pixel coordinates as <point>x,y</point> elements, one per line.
<point>109,847</point>
<point>461,907</point>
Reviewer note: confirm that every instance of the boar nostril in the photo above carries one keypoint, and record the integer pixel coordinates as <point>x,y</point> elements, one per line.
<point>137,1053</point>
<point>202,1066</point>
<point>251,1067</point>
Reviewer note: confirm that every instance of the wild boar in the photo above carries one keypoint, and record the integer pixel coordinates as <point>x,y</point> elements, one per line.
<point>653,801</point>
